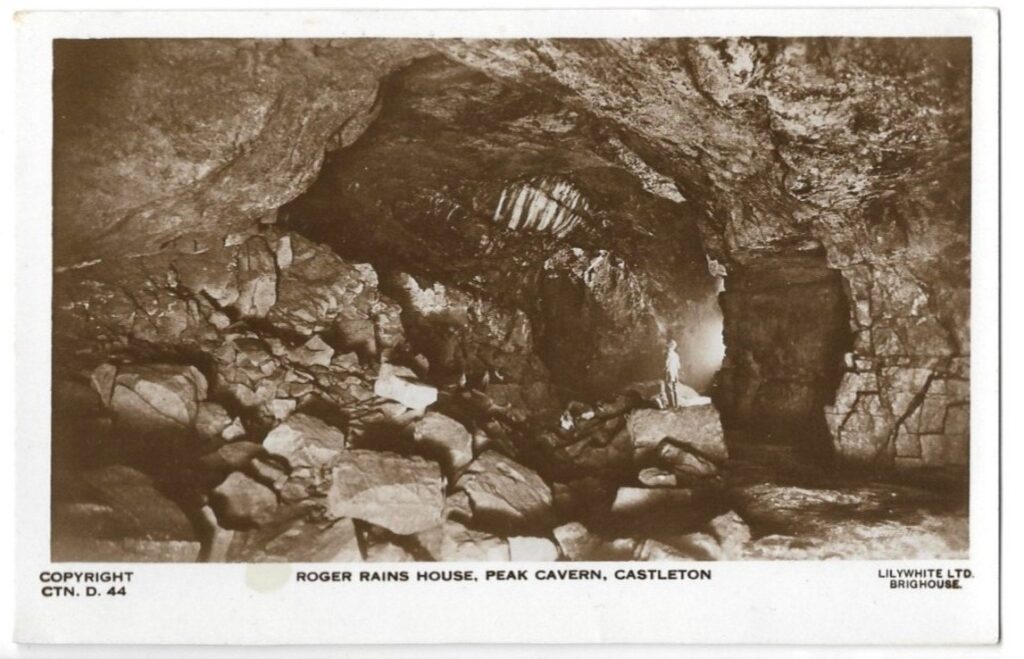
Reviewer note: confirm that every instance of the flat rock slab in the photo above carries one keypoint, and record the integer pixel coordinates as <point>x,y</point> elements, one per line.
<point>640,500</point>
<point>306,542</point>
<point>402,494</point>
<point>154,398</point>
<point>305,441</point>
<point>698,426</point>
<point>453,541</point>
<point>505,494</point>
<point>400,384</point>
<point>679,458</point>
<point>438,433</point>
<point>531,549</point>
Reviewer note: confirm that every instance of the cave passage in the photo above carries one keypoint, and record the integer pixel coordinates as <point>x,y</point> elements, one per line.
<point>497,198</point>
<point>787,330</point>
<point>403,300</point>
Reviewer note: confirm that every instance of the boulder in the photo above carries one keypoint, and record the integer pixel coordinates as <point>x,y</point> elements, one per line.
<point>642,510</point>
<point>305,441</point>
<point>681,459</point>
<point>695,546</point>
<point>211,420</point>
<point>458,508</point>
<point>731,532</point>
<point>576,542</point>
<point>132,505</point>
<point>583,498</point>
<point>309,542</point>
<point>402,494</point>
<point>235,456</point>
<point>440,434</point>
<point>233,431</point>
<point>123,550</point>
<point>319,291</point>
<point>314,352</point>
<point>698,426</point>
<point>400,384</point>
<point>121,516</point>
<point>241,502</point>
<point>387,551</point>
<point>154,399</point>
<point>506,495</point>
<point>639,500</point>
<point>531,549</point>
<point>459,543</point>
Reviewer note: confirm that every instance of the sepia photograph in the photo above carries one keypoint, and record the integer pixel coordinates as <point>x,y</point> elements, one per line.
<point>570,299</point>
<point>424,328</point>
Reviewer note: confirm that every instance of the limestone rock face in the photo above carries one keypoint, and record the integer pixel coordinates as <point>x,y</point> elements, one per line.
<point>505,494</point>
<point>147,151</point>
<point>401,494</point>
<point>698,427</point>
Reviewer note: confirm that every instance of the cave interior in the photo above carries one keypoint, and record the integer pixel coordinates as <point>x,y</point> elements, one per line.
<point>450,270</point>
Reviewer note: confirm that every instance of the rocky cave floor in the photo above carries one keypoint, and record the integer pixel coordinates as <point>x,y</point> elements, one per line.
<point>261,400</point>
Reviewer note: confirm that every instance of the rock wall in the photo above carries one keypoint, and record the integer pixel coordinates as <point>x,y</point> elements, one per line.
<point>164,139</point>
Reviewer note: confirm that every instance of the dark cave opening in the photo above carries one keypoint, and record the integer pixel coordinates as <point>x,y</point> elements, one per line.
<point>787,329</point>
<point>511,201</point>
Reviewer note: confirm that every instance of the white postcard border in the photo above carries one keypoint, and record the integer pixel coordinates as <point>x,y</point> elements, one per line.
<point>746,602</point>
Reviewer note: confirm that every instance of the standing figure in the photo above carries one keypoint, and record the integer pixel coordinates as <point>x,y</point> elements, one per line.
<point>671,374</point>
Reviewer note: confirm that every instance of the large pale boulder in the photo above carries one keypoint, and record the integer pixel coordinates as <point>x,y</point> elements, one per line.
<point>504,494</point>
<point>698,426</point>
<point>153,398</point>
<point>402,494</point>
<point>305,441</point>
<point>400,384</point>
<point>578,543</point>
<point>532,549</point>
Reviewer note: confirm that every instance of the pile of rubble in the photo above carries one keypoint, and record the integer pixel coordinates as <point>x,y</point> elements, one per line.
<point>262,403</point>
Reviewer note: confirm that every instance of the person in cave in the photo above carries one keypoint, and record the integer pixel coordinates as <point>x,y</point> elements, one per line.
<point>671,374</point>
